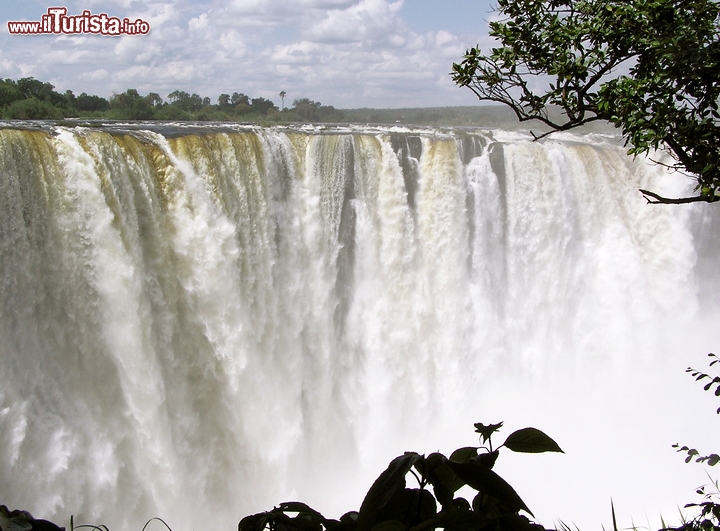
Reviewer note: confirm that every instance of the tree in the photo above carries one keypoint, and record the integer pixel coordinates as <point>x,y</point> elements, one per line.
<point>282,98</point>
<point>70,98</point>
<point>9,93</point>
<point>194,102</point>
<point>131,106</point>
<point>91,103</point>
<point>307,109</point>
<point>262,105</point>
<point>187,102</point>
<point>32,88</point>
<point>34,109</point>
<point>154,99</point>
<point>238,98</point>
<point>178,96</point>
<point>649,67</point>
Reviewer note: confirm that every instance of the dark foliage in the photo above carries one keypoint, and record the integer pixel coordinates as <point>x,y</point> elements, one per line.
<point>18,520</point>
<point>708,518</point>
<point>390,505</point>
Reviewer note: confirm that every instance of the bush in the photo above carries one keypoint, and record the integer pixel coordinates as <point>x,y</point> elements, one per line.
<point>33,109</point>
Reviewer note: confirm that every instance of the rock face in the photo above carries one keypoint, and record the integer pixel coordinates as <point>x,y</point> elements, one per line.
<point>18,520</point>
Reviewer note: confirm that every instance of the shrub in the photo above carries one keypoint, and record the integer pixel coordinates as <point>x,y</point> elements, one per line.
<point>390,505</point>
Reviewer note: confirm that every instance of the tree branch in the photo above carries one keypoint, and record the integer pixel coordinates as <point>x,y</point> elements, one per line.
<point>655,199</point>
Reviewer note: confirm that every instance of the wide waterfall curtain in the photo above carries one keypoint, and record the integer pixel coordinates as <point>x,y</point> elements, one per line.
<point>197,323</point>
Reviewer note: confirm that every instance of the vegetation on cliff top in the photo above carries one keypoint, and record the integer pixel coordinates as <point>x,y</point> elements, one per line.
<point>31,99</point>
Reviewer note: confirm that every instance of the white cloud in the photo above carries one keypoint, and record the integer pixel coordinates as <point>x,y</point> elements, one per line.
<point>397,41</point>
<point>305,52</point>
<point>75,40</point>
<point>443,37</point>
<point>233,44</point>
<point>339,52</point>
<point>368,20</point>
<point>200,23</point>
<point>283,12</point>
<point>65,57</point>
<point>159,14</point>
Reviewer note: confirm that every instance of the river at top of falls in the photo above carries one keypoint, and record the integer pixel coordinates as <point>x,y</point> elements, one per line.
<point>199,321</point>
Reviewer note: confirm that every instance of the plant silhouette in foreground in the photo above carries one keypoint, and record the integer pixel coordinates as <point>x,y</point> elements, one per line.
<point>390,505</point>
<point>709,517</point>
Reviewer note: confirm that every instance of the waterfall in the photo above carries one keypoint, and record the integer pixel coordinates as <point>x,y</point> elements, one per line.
<point>199,322</point>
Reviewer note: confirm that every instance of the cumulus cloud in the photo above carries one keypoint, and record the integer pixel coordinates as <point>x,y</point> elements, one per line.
<point>198,24</point>
<point>367,20</point>
<point>304,52</point>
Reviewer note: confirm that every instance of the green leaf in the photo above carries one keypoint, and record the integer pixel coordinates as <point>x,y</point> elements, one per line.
<point>488,482</point>
<point>531,440</point>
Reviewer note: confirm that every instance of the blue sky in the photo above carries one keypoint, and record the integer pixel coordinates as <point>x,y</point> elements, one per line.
<point>345,53</point>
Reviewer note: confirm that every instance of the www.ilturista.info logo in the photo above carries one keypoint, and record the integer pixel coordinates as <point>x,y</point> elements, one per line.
<point>56,21</point>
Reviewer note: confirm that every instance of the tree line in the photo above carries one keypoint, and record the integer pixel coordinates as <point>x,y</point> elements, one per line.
<point>32,99</point>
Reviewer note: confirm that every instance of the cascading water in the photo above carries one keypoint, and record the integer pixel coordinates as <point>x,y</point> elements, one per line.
<point>197,322</point>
